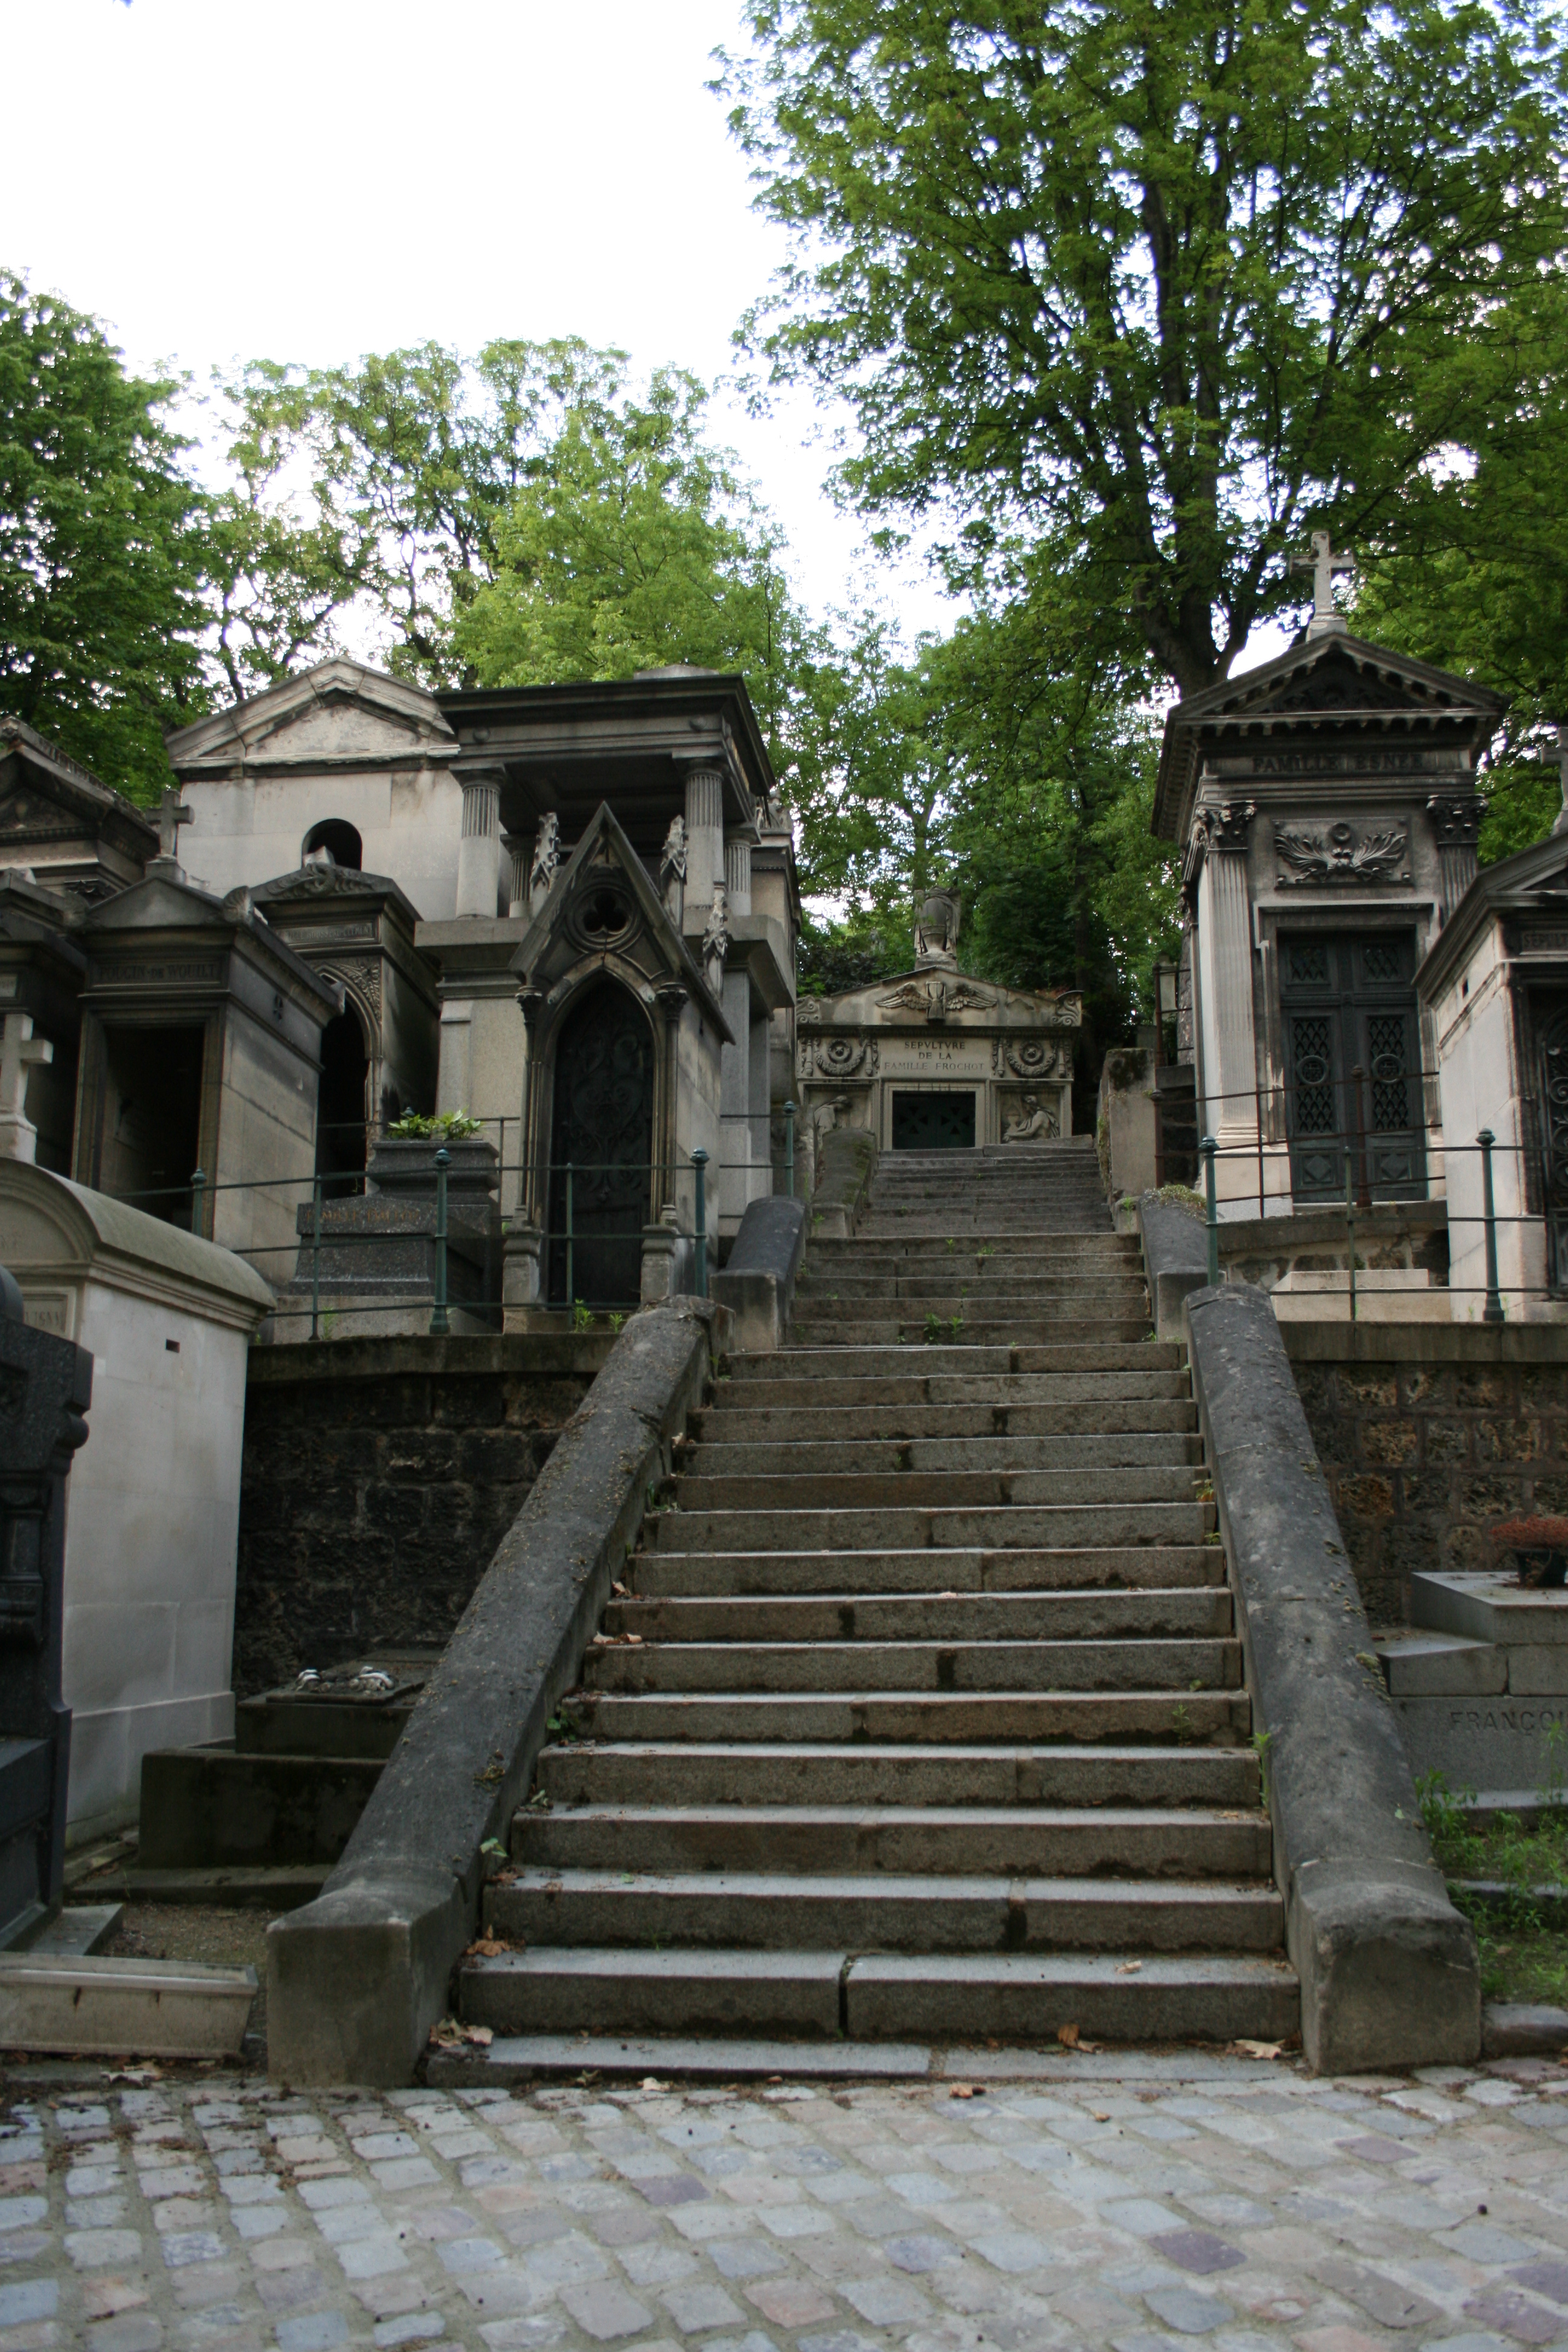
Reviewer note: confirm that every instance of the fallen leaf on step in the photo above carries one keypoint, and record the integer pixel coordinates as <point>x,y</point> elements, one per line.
<point>1068,2036</point>
<point>961,2091</point>
<point>1101,2114</point>
<point>482,2036</point>
<point>1258,2048</point>
<point>650,2083</point>
<point>1128,1967</point>
<point>621,1591</point>
<point>487,1948</point>
<point>138,2074</point>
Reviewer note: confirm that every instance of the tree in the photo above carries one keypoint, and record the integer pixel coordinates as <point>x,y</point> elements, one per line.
<point>100,558</point>
<point>1053,768</point>
<point>1483,589</point>
<point>632,544</point>
<point>1134,292</point>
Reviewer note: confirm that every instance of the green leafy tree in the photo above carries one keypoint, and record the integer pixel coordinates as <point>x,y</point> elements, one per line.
<point>1145,288</point>
<point>633,544</point>
<point>101,545</point>
<point>1481,586</point>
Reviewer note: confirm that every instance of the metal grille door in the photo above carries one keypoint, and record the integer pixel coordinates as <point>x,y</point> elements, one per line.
<point>1347,1002</point>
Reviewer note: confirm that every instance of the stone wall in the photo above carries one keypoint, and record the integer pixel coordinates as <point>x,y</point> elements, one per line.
<point>379,1475</point>
<point>1428,1432</point>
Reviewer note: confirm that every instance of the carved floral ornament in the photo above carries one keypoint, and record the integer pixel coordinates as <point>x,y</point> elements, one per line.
<point>1031,1057</point>
<point>1341,853</point>
<point>837,1057</point>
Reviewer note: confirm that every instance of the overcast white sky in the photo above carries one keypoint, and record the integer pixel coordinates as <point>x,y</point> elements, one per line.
<point>312,179</point>
<point>308,179</point>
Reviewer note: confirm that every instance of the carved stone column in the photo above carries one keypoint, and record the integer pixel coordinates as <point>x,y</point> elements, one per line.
<point>1456,821</point>
<point>737,873</point>
<point>516,849</point>
<point>704,834</point>
<point>1225,949</point>
<point>478,853</point>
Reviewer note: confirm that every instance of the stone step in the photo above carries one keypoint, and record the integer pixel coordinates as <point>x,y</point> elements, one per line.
<point>1004,1997</point>
<point>1221,1718</point>
<point>808,1455</point>
<point>1026,1332</point>
<point>726,1424</point>
<point>979,1302</point>
<point>834,1490</point>
<point>1190,1613</point>
<point>737,1393</point>
<point>968,1841</point>
<point>1067,1249</point>
<point>1143,1358</point>
<point>860,1912</point>
<point>1152,1566</point>
<point>972,1281</point>
<point>1029,1528</point>
<point>1194,1663</point>
<point>1217,1998</point>
<point>801,1772</point>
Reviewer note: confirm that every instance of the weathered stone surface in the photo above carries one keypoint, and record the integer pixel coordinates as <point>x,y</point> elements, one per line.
<point>358,1977</point>
<point>1175,1255</point>
<point>378,1478</point>
<point>1428,1434</point>
<point>757,1283</point>
<point>1388,1967</point>
<point>155,2008</point>
<point>846,1163</point>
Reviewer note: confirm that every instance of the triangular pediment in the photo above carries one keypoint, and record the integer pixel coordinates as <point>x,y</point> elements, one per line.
<point>160,903</point>
<point>43,795</point>
<point>1340,675</point>
<point>337,714</point>
<point>603,902</point>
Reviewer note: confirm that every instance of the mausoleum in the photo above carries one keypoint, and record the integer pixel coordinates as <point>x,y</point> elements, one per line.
<point>932,1060</point>
<point>1327,810</point>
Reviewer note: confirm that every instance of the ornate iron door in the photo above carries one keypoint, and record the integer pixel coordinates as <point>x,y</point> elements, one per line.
<point>603,1128</point>
<point>1347,1002</point>
<point>1552,1028</point>
<point>933,1122</point>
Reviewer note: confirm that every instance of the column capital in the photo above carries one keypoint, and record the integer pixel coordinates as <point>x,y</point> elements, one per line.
<point>1223,824</point>
<point>1455,817</point>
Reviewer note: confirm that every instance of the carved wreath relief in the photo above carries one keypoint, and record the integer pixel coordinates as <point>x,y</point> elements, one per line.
<point>1338,852</point>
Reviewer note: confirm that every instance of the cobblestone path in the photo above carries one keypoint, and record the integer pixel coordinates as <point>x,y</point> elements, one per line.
<point>1221,2200</point>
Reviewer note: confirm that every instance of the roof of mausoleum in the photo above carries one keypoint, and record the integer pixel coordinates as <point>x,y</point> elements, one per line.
<point>1336,700</point>
<point>629,740</point>
<point>339,715</point>
<point>1532,881</point>
<point>52,805</point>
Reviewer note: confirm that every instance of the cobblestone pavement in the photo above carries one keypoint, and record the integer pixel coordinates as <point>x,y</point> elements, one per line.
<point>1226,2200</point>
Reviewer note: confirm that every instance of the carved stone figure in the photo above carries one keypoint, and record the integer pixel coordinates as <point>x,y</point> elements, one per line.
<point>716,939</point>
<point>672,870</point>
<point>936,928</point>
<point>546,859</point>
<point>1034,1123</point>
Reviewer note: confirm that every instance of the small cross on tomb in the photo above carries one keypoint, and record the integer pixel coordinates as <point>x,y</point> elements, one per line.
<point>1322,563</point>
<point>20,1052</point>
<point>172,814</point>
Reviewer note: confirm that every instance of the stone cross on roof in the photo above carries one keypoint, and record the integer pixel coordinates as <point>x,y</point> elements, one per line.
<point>1322,563</point>
<point>20,1052</point>
<point>172,814</point>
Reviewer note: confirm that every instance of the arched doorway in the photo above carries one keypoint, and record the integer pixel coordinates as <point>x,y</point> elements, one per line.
<point>340,1108</point>
<point>602,1126</point>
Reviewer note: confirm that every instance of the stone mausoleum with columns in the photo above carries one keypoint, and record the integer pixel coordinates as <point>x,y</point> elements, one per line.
<point>570,911</point>
<point>1326,808</point>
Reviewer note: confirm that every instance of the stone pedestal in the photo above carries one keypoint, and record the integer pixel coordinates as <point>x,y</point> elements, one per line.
<point>374,1273</point>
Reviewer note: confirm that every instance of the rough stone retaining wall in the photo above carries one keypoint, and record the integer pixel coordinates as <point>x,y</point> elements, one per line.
<point>379,1477</point>
<point>1428,1432</point>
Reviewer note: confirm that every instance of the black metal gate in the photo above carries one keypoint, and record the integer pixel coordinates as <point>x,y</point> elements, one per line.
<point>1349,1002</point>
<point>600,1142</point>
<point>933,1122</point>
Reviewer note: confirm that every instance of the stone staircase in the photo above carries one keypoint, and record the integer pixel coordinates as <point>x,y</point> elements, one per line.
<point>924,1718</point>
